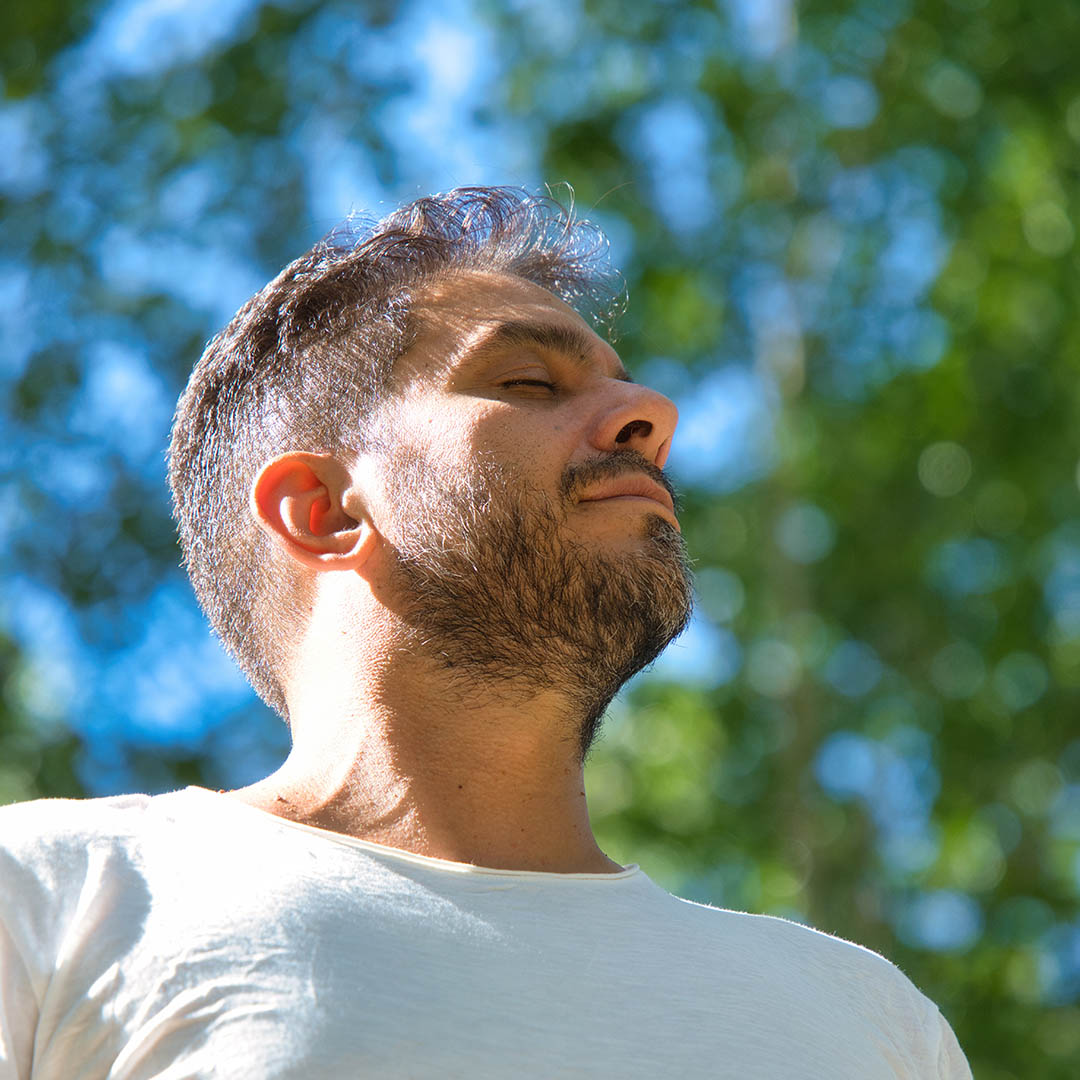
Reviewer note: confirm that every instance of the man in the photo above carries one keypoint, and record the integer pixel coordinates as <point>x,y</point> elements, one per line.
<point>423,505</point>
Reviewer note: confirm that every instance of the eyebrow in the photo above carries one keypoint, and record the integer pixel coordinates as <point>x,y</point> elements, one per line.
<point>570,341</point>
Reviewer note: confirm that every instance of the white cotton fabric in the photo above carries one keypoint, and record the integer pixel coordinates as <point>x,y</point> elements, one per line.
<point>190,935</point>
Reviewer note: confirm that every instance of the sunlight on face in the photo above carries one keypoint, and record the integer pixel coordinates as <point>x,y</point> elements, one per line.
<point>505,571</point>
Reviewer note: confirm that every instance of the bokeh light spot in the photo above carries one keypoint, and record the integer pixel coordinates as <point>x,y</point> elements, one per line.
<point>953,90</point>
<point>944,469</point>
<point>941,921</point>
<point>720,593</point>
<point>853,669</point>
<point>773,668</point>
<point>805,533</point>
<point>1020,679</point>
<point>958,670</point>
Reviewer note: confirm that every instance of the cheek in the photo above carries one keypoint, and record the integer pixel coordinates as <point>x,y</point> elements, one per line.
<point>443,437</point>
<point>533,445</point>
<point>535,448</point>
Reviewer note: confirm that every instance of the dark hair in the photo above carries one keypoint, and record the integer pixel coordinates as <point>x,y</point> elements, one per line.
<point>305,365</point>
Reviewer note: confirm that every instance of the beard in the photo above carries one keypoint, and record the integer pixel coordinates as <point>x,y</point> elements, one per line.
<point>494,589</point>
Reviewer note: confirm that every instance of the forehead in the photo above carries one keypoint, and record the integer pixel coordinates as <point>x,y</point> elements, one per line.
<point>468,314</point>
<point>472,296</point>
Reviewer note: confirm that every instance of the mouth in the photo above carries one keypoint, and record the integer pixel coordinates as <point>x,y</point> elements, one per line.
<point>636,486</point>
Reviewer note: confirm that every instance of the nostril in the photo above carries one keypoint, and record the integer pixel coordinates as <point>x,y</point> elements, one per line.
<point>635,427</point>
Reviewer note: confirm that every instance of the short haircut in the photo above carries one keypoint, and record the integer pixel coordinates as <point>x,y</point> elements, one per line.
<point>306,364</point>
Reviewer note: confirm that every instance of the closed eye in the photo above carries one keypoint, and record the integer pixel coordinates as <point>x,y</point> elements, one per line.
<point>530,382</point>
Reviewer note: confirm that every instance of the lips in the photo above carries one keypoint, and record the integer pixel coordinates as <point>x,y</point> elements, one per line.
<point>633,485</point>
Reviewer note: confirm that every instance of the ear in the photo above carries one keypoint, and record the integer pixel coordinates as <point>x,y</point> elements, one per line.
<point>298,499</point>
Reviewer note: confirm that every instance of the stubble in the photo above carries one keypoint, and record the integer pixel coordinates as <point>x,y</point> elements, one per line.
<point>499,594</point>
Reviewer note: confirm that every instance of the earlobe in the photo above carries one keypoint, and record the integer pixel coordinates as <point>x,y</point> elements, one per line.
<point>297,499</point>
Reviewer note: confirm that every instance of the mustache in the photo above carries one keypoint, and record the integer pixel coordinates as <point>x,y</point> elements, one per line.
<point>576,478</point>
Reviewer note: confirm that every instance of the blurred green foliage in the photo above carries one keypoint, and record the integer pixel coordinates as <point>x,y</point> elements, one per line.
<point>848,232</point>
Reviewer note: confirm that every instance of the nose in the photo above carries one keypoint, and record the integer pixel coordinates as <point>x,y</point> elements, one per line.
<point>637,419</point>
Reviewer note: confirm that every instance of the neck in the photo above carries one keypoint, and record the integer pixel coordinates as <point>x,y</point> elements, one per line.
<point>404,756</point>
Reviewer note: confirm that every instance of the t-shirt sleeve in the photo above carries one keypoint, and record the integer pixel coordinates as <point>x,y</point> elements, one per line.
<point>952,1065</point>
<point>42,865</point>
<point>18,1010</point>
<point>18,999</point>
<point>932,1050</point>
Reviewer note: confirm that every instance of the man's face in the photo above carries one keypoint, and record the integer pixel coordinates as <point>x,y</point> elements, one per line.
<point>535,537</point>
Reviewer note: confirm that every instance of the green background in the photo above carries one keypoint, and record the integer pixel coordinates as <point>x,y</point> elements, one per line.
<point>847,231</point>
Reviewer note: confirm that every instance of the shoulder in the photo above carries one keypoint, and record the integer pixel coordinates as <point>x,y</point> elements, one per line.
<point>32,828</point>
<point>70,813</point>
<point>793,943</point>
<point>797,959</point>
<point>804,971</point>
<point>56,857</point>
<point>50,847</point>
<point>849,976</point>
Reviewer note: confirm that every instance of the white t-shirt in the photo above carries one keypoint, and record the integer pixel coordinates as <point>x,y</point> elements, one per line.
<point>190,935</point>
